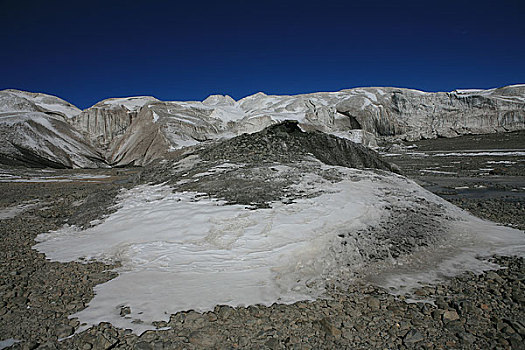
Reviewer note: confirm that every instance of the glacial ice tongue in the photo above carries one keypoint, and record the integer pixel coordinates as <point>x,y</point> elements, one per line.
<point>182,251</point>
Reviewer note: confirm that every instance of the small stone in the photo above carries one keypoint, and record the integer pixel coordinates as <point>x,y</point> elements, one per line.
<point>125,310</point>
<point>518,327</point>
<point>491,275</point>
<point>64,330</point>
<point>272,343</point>
<point>74,322</point>
<point>450,343</point>
<point>421,292</point>
<point>450,315</point>
<point>212,317</point>
<point>413,336</point>
<point>467,337</point>
<point>30,346</point>
<point>102,342</point>
<point>441,303</point>
<point>142,345</point>
<point>503,341</point>
<point>330,328</point>
<point>225,312</point>
<point>436,314</point>
<point>201,339</point>
<point>161,324</point>
<point>374,303</point>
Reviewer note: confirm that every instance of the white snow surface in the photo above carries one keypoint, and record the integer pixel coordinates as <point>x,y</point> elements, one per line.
<point>48,103</point>
<point>8,342</point>
<point>11,212</point>
<point>59,178</point>
<point>481,154</point>
<point>182,251</point>
<point>133,103</point>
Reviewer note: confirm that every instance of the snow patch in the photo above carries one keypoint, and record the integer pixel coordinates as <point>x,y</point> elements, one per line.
<point>500,162</point>
<point>480,154</point>
<point>438,172</point>
<point>182,251</point>
<point>11,212</point>
<point>131,103</point>
<point>7,343</point>
<point>155,117</point>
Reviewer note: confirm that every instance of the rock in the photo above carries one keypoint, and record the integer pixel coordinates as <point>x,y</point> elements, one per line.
<point>32,345</point>
<point>450,315</point>
<point>194,320</point>
<point>101,342</point>
<point>467,337</point>
<point>519,326</point>
<point>330,328</point>
<point>272,343</point>
<point>485,307</point>
<point>64,330</point>
<point>491,275</point>
<point>211,316</point>
<point>413,336</point>
<point>374,303</point>
<point>225,312</point>
<point>125,310</point>
<point>142,345</point>
<point>202,339</point>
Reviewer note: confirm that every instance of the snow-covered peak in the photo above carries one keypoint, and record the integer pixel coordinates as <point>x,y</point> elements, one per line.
<point>472,92</point>
<point>133,103</point>
<point>516,85</point>
<point>214,100</point>
<point>43,103</point>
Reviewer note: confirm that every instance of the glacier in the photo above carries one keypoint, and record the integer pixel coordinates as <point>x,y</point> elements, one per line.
<point>134,131</point>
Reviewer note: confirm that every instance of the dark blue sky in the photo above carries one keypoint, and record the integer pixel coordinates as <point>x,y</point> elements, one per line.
<point>85,51</point>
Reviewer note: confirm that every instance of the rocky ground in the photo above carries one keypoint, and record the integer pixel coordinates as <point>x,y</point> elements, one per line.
<point>468,312</point>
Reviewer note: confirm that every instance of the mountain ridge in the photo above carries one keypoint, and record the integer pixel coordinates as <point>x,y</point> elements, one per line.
<point>136,130</point>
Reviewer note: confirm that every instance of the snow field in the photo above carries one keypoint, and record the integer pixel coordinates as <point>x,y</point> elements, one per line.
<point>182,251</point>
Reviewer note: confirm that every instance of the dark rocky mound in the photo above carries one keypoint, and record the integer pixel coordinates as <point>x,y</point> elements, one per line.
<point>286,142</point>
<point>260,168</point>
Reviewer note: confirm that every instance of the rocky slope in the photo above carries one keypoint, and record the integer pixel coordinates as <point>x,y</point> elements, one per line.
<point>40,140</point>
<point>34,132</point>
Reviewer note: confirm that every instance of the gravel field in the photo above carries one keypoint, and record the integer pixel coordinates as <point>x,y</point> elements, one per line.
<point>468,312</point>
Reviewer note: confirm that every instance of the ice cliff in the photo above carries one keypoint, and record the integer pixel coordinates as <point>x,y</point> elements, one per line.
<point>137,130</point>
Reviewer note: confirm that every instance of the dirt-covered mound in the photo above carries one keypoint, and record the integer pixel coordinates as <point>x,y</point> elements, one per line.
<point>259,168</point>
<point>286,142</point>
